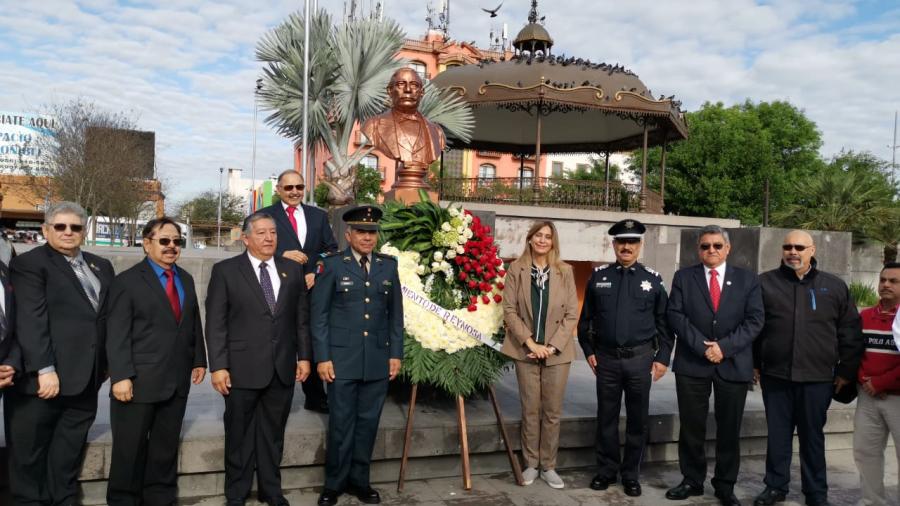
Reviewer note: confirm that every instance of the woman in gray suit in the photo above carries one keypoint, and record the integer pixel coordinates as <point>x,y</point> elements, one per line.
<point>540,309</point>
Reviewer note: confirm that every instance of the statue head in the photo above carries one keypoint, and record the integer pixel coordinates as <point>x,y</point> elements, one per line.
<point>406,90</point>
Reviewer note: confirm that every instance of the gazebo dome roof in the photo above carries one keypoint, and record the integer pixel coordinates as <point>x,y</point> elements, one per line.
<point>533,37</point>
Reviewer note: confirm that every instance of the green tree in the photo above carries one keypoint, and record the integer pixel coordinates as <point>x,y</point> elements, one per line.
<point>368,185</point>
<point>350,67</point>
<point>203,209</point>
<point>721,170</point>
<point>595,172</point>
<point>853,193</point>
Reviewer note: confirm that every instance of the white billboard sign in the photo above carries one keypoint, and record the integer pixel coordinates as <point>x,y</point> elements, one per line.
<point>22,140</point>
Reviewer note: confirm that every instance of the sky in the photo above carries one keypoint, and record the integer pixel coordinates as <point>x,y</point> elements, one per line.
<point>186,68</point>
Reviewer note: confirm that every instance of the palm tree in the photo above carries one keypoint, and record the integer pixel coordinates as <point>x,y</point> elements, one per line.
<point>350,66</point>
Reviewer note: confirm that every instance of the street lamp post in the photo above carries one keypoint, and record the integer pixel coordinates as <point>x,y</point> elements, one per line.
<point>259,85</point>
<point>219,213</point>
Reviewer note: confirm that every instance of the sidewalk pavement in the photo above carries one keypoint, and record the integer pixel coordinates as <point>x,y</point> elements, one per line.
<point>501,490</point>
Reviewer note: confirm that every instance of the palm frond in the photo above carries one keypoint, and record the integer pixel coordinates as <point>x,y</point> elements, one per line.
<point>449,110</point>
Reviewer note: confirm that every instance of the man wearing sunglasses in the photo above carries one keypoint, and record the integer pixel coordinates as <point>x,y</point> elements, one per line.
<point>625,338</point>
<point>60,293</point>
<point>716,311</point>
<point>155,350</point>
<point>303,234</point>
<point>809,349</point>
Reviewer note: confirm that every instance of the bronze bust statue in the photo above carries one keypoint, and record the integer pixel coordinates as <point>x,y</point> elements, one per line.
<point>403,134</point>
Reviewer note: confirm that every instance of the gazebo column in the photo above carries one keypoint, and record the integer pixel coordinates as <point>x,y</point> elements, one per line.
<point>643,202</point>
<point>662,172</point>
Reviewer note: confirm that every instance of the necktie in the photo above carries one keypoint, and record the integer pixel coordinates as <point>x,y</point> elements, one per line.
<point>266,283</point>
<point>172,294</point>
<point>290,212</point>
<point>82,275</point>
<point>715,291</point>
<point>363,262</point>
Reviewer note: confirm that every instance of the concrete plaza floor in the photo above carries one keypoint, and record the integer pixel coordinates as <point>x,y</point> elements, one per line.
<point>501,490</point>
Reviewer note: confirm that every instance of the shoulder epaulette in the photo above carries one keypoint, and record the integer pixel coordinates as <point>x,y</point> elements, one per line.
<point>384,255</point>
<point>600,268</point>
<point>651,271</point>
<point>330,254</point>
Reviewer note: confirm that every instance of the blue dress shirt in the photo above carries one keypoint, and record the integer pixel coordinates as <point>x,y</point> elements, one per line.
<point>161,275</point>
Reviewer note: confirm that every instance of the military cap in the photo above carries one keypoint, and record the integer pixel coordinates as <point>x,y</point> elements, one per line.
<point>627,229</point>
<point>363,217</point>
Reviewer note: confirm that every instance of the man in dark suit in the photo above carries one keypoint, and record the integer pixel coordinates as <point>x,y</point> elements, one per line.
<point>257,335</point>
<point>60,291</point>
<point>716,311</point>
<point>154,345</point>
<point>10,353</point>
<point>357,329</point>
<point>303,234</point>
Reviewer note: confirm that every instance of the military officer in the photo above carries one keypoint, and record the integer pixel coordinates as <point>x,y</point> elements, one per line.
<point>625,338</point>
<point>357,332</point>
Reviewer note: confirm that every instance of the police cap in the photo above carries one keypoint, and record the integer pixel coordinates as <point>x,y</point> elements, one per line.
<point>363,217</point>
<point>627,229</point>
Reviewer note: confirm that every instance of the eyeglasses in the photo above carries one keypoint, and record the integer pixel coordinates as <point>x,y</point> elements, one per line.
<point>628,240</point>
<point>165,241</point>
<point>798,247</point>
<point>716,245</point>
<point>61,227</point>
<point>291,187</point>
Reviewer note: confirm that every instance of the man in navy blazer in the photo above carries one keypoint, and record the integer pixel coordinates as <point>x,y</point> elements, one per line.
<point>303,234</point>
<point>716,312</point>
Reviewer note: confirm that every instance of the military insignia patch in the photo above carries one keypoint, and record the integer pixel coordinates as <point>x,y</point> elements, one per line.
<point>646,286</point>
<point>320,267</point>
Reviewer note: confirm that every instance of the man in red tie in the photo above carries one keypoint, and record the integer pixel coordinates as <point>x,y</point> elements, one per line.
<point>716,311</point>
<point>155,350</point>
<point>303,234</point>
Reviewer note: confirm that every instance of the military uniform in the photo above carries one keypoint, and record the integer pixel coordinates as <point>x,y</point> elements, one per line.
<point>357,324</point>
<point>623,323</point>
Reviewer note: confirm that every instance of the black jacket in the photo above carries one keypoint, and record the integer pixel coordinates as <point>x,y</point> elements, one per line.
<point>812,330</point>
<point>10,353</point>
<point>734,326</point>
<point>144,342</point>
<point>55,321</point>
<point>243,335</point>
<point>319,236</point>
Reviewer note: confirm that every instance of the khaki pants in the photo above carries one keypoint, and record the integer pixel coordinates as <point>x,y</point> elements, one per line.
<point>875,419</point>
<point>541,389</point>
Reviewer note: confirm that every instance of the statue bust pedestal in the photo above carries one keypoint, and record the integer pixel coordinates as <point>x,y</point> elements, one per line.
<point>409,196</point>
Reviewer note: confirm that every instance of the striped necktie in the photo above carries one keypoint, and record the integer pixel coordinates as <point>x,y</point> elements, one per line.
<point>82,275</point>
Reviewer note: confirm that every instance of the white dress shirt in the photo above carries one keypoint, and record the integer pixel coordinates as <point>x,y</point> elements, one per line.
<point>721,270</point>
<point>274,275</point>
<point>896,331</point>
<point>301,221</point>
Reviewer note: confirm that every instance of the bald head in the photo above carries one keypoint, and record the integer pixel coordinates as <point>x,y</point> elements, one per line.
<point>797,251</point>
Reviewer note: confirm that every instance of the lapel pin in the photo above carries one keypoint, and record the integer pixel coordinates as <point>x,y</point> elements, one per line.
<point>728,283</point>
<point>283,275</point>
<point>346,259</point>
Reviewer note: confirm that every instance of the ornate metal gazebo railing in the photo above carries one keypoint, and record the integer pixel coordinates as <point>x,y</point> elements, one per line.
<point>550,192</point>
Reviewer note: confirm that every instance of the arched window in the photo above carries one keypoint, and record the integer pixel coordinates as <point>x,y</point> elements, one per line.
<point>526,175</point>
<point>486,174</point>
<point>371,162</point>
<point>420,69</point>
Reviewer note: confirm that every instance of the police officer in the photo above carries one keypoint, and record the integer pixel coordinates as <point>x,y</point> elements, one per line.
<point>625,338</point>
<point>357,333</point>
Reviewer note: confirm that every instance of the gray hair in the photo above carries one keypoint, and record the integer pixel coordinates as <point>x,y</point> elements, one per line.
<point>289,171</point>
<point>716,230</point>
<point>64,208</point>
<point>253,218</point>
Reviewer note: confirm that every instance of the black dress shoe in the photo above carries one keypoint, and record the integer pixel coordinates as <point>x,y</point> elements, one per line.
<point>683,491</point>
<point>328,497</point>
<point>769,496</point>
<point>728,499</point>
<point>601,482</point>
<point>367,495</point>
<point>632,487</point>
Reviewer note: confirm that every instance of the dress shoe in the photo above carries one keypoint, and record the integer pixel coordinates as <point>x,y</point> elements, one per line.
<point>632,487</point>
<point>601,482</point>
<point>367,495</point>
<point>683,491</point>
<point>728,499</point>
<point>319,406</point>
<point>769,496</point>
<point>328,497</point>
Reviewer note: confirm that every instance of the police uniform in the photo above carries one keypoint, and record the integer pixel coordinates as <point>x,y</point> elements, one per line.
<point>357,324</point>
<point>623,323</point>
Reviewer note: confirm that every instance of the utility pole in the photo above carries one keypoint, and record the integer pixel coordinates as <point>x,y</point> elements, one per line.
<point>219,213</point>
<point>894,150</point>
<point>259,85</point>
<point>304,163</point>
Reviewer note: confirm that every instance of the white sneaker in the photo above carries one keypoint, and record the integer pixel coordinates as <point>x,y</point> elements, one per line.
<point>552,479</point>
<point>529,475</point>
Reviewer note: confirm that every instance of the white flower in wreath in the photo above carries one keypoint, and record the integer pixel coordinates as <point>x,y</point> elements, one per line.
<point>420,269</point>
<point>460,249</point>
<point>451,254</point>
<point>445,226</point>
<point>468,233</point>
<point>438,256</point>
